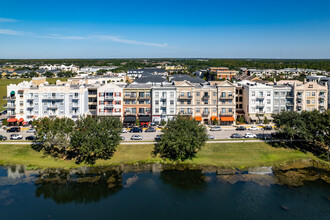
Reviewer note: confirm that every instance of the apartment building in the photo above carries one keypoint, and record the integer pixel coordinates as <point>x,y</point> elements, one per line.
<point>239,100</point>
<point>137,103</point>
<point>223,72</point>
<point>226,102</point>
<point>185,92</point>
<point>257,101</point>
<point>163,102</point>
<point>110,100</point>
<point>323,80</point>
<point>283,98</point>
<point>310,96</point>
<point>205,100</point>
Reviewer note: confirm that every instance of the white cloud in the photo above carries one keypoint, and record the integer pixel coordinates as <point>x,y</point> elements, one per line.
<point>7,20</point>
<point>125,41</point>
<point>64,37</point>
<point>9,32</point>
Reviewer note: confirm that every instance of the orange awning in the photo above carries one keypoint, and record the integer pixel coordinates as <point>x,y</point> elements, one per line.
<point>21,120</point>
<point>227,119</point>
<point>198,118</point>
<point>12,120</point>
<point>214,117</point>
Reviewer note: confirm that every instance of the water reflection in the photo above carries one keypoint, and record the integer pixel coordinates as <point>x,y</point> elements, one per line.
<point>184,179</point>
<point>64,187</point>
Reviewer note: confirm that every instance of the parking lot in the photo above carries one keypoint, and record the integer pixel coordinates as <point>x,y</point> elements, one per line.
<point>149,136</point>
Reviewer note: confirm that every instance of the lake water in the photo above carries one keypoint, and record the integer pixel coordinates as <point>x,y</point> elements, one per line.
<point>169,194</point>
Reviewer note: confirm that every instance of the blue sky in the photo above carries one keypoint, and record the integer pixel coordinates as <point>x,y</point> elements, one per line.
<point>138,29</point>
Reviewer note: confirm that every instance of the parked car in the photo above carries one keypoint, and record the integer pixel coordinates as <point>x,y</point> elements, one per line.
<point>250,135</point>
<point>254,128</point>
<point>269,128</point>
<point>235,135</point>
<point>136,130</point>
<point>122,138</point>
<point>14,129</point>
<point>136,137</point>
<point>150,129</point>
<point>16,137</point>
<point>124,130</point>
<point>158,137</point>
<point>216,128</point>
<point>30,138</point>
<point>3,138</point>
<point>210,136</point>
<point>240,128</point>
<point>31,130</point>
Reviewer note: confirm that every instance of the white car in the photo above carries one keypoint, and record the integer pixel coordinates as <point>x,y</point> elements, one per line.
<point>136,137</point>
<point>254,128</point>
<point>124,130</point>
<point>16,137</point>
<point>210,137</point>
<point>31,130</point>
<point>216,128</point>
<point>250,135</point>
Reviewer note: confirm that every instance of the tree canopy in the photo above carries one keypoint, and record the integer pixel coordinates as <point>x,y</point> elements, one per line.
<point>182,139</point>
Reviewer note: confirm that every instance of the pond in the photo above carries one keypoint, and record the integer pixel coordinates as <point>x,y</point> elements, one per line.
<point>161,194</point>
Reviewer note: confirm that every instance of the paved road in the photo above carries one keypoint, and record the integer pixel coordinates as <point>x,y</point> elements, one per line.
<point>150,136</point>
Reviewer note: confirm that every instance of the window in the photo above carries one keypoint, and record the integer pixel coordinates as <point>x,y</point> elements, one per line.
<point>198,110</point>
<point>223,94</point>
<point>268,101</point>
<point>181,94</point>
<point>126,102</point>
<point>308,102</point>
<point>282,101</point>
<point>282,93</point>
<point>214,94</point>
<point>206,102</point>
<point>157,102</point>
<point>182,110</point>
<point>253,109</point>
<point>313,101</point>
<point>181,102</point>
<point>253,94</point>
<point>172,94</point>
<point>223,102</point>
<point>141,102</point>
<point>276,93</point>
<point>141,94</point>
<point>189,110</point>
<point>156,110</point>
<point>230,102</point>
<point>276,109</point>
<point>157,94</point>
<point>223,111</point>
<point>172,110</point>
<point>117,94</point>
<point>214,102</point>
<point>189,94</point>
<point>188,102</point>
<point>253,101</point>
<point>230,110</point>
<point>198,94</point>
<point>241,99</point>
<point>268,109</point>
<point>214,109</point>
<point>198,102</point>
<point>164,94</point>
<point>133,110</point>
<point>313,93</point>
<point>171,102</point>
<point>268,93</point>
<point>117,102</point>
<point>230,94</point>
<point>308,94</point>
<point>141,110</point>
<point>206,110</point>
<point>133,101</point>
<point>148,101</point>
<point>276,101</point>
<point>261,94</point>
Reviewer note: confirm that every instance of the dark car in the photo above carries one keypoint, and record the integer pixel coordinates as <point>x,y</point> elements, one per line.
<point>3,138</point>
<point>14,129</point>
<point>240,128</point>
<point>151,129</point>
<point>236,136</point>
<point>136,130</point>
<point>30,138</point>
<point>158,137</point>
<point>269,128</point>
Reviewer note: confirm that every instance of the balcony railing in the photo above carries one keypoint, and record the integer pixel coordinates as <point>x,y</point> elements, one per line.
<point>260,105</point>
<point>205,97</point>
<point>11,113</point>
<point>260,97</point>
<point>52,106</point>
<point>299,104</point>
<point>205,114</point>
<point>185,97</point>
<point>227,97</point>
<point>9,106</point>
<point>9,97</point>
<point>289,104</point>
<point>75,97</point>
<point>186,113</point>
<point>108,97</point>
<point>144,97</point>
<point>53,98</point>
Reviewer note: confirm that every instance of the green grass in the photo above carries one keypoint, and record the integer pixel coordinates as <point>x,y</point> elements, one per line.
<point>5,82</point>
<point>219,154</point>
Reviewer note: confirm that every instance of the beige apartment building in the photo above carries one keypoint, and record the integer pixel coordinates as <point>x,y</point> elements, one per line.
<point>310,96</point>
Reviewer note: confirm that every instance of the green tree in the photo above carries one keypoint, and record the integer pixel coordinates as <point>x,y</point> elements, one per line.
<point>95,138</point>
<point>137,122</point>
<point>4,122</point>
<point>182,139</point>
<point>162,122</point>
<point>266,120</point>
<point>241,119</point>
<point>215,121</point>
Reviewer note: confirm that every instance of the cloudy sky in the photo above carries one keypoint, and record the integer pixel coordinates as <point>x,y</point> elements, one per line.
<point>145,28</point>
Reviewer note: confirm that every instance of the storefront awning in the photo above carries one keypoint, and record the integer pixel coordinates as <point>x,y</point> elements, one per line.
<point>198,118</point>
<point>21,120</point>
<point>227,119</point>
<point>144,119</point>
<point>12,120</point>
<point>214,118</point>
<point>130,119</point>
<point>254,118</point>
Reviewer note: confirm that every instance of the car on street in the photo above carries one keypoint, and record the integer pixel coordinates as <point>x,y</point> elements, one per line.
<point>14,129</point>
<point>250,135</point>
<point>235,135</point>
<point>158,137</point>
<point>31,130</point>
<point>210,136</point>
<point>150,129</point>
<point>3,138</point>
<point>240,128</point>
<point>136,130</point>
<point>267,128</point>
<point>30,138</point>
<point>16,137</point>
<point>136,137</point>
<point>253,128</point>
<point>216,128</point>
<point>124,130</point>
<point>122,138</point>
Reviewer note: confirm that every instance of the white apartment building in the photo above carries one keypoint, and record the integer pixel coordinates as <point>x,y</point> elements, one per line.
<point>163,102</point>
<point>282,98</point>
<point>257,101</point>
<point>110,100</point>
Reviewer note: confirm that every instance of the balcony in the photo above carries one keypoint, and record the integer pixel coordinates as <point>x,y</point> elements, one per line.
<point>185,113</point>
<point>53,98</point>
<point>185,97</point>
<point>226,97</point>
<point>322,97</point>
<point>75,106</point>
<point>289,104</point>
<point>163,97</point>
<point>129,113</point>
<point>11,113</point>
<point>12,106</point>
<point>9,97</point>
<point>205,114</point>
<point>108,105</point>
<point>260,105</point>
<point>52,107</point>
<point>75,97</point>
<point>321,103</point>
<point>260,98</point>
<point>144,97</point>
<point>299,104</point>
<point>108,97</point>
<point>130,97</point>
<point>29,106</point>
<point>205,97</point>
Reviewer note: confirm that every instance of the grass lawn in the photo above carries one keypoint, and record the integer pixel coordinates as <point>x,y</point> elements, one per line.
<point>237,155</point>
<point>5,82</point>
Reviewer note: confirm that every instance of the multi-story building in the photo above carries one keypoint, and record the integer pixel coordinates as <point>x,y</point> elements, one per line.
<point>323,80</point>
<point>223,72</point>
<point>239,101</point>
<point>163,102</point>
<point>282,98</point>
<point>137,103</point>
<point>205,100</point>
<point>110,100</point>
<point>257,101</point>
<point>310,96</point>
